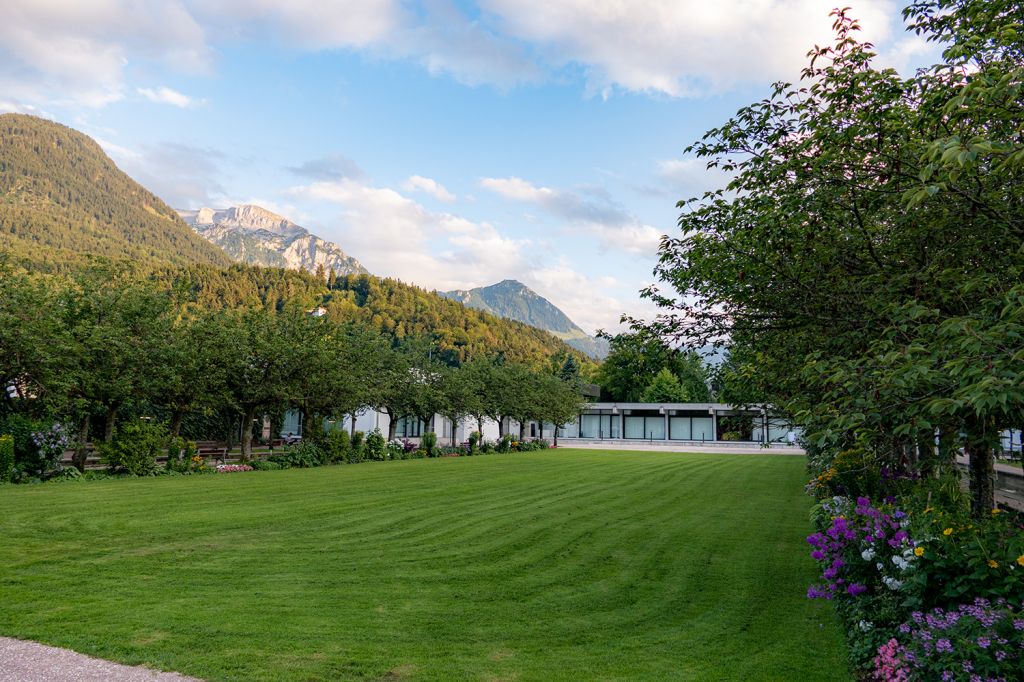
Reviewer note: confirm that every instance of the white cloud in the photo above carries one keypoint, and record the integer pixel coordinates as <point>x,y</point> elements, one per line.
<point>586,300</point>
<point>681,47</point>
<point>395,236</point>
<point>164,95</point>
<point>73,51</point>
<point>418,183</point>
<point>68,51</point>
<point>308,24</point>
<point>614,228</point>
<point>183,176</point>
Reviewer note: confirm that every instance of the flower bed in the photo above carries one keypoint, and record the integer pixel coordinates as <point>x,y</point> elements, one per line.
<point>232,468</point>
<point>930,595</point>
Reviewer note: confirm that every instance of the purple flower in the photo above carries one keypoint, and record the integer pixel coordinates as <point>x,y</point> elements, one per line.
<point>856,588</point>
<point>943,645</point>
<point>984,642</point>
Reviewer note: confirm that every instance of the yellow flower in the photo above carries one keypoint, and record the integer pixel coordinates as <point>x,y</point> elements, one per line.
<point>1020,560</point>
<point>919,551</point>
<point>947,532</point>
<point>992,563</point>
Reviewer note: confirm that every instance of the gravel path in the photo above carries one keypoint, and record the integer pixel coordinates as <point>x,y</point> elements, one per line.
<point>22,661</point>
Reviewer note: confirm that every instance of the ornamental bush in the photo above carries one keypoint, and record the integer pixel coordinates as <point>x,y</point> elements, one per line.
<point>134,448</point>
<point>337,444</point>
<point>357,451</point>
<point>6,458</point>
<point>429,443</point>
<point>376,446</point>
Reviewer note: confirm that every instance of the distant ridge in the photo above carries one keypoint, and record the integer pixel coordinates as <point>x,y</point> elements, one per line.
<point>63,200</point>
<point>253,235</point>
<point>516,301</point>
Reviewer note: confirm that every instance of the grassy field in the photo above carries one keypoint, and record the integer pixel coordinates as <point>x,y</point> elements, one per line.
<point>563,565</point>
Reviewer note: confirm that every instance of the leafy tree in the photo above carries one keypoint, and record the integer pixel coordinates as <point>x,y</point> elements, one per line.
<point>265,364</point>
<point>557,401</point>
<point>665,388</point>
<point>864,262</point>
<point>636,358</point>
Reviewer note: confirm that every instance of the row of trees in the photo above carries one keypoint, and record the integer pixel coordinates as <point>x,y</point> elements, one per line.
<point>88,347</point>
<point>865,262</point>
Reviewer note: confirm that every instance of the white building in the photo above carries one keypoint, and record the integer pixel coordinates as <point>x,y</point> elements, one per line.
<point>677,422</point>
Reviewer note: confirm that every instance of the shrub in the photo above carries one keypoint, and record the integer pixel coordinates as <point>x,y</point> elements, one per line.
<point>6,458</point>
<point>357,451</point>
<point>26,454</point>
<point>264,465</point>
<point>429,443</point>
<point>474,438</point>
<point>51,443</point>
<point>486,447</point>
<point>183,456</point>
<point>337,445</point>
<point>505,444</point>
<point>305,455</point>
<point>134,448</point>
<point>376,446</point>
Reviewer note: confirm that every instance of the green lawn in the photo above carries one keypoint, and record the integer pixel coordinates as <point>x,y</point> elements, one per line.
<point>543,566</point>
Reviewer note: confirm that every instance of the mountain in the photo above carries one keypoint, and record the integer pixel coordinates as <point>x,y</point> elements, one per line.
<point>254,235</point>
<point>62,200</point>
<point>515,301</point>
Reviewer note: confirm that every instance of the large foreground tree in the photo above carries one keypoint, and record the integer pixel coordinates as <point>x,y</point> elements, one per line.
<point>866,259</point>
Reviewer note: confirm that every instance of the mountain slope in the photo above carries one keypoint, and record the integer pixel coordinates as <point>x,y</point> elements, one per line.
<point>515,301</point>
<point>254,235</point>
<point>62,199</point>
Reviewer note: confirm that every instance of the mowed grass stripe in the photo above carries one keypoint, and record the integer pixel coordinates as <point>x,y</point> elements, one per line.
<point>543,566</point>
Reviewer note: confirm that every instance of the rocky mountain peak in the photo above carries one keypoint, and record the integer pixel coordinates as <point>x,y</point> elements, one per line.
<point>252,234</point>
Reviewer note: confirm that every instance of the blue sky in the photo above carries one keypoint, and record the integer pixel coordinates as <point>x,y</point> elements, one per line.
<point>449,144</point>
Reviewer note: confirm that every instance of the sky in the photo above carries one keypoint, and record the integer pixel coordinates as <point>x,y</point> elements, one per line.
<point>446,144</point>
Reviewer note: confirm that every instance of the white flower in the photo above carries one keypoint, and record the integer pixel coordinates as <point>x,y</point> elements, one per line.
<point>865,625</point>
<point>892,583</point>
<point>900,562</point>
<point>880,566</point>
<point>868,554</point>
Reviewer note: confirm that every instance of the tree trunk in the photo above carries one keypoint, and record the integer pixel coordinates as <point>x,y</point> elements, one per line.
<point>978,448</point>
<point>352,429</point>
<point>501,428</point>
<point>250,414</point>
<point>522,431</point>
<point>177,416</point>
<point>480,427</point>
<point>454,429</point>
<point>392,426</point>
<point>108,424</point>
<point>83,437</point>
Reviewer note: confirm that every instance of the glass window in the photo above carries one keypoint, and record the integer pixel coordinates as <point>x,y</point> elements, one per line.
<point>702,429</point>
<point>679,428</point>
<point>655,428</point>
<point>635,427</point>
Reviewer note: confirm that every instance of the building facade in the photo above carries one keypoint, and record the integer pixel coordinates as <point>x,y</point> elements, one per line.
<point>676,422</point>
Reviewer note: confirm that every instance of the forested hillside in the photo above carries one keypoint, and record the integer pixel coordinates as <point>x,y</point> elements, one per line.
<point>399,310</point>
<point>62,199</point>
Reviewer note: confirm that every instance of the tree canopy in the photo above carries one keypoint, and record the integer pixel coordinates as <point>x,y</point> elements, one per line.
<point>865,260</point>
